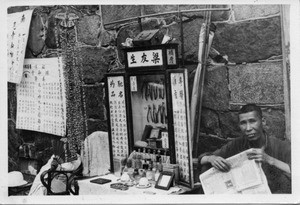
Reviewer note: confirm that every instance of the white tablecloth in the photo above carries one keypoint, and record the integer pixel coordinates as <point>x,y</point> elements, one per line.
<point>88,188</point>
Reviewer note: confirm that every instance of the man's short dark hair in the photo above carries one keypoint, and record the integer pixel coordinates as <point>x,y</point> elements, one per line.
<point>250,108</point>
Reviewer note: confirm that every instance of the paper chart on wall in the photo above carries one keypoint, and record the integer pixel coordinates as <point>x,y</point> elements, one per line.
<point>17,35</point>
<point>41,99</point>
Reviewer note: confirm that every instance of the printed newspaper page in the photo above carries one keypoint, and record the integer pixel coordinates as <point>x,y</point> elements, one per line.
<point>245,177</point>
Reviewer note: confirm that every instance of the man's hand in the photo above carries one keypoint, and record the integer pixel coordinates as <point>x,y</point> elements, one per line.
<point>219,163</point>
<point>259,155</point>
<point>54,163</point>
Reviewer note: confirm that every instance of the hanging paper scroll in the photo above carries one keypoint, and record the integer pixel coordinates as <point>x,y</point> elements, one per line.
<point>17,35</point>
<point>183,152</point>
<point>117,116</point>
<point>41,102</point>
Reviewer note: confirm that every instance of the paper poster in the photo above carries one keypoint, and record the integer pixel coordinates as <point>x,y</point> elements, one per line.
<point>41,100</point>
<point>17,35</point>
<point>118,119</point>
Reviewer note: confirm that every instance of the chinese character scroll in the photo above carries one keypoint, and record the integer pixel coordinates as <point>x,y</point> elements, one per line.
<point>118,118</point>
<point>41,102</point>
<point>183,153</point>
<point>17,35</point>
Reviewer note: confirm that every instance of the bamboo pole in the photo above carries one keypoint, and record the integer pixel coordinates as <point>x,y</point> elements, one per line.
<point>165,13</point>
<point>197,93</point>
<point>286,88</point>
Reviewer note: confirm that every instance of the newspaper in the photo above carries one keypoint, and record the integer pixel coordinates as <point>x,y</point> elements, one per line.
<point>245,177</point>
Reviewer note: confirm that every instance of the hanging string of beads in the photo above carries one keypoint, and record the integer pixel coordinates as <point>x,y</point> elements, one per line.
<point>75,98</point>
<point>60,55</point>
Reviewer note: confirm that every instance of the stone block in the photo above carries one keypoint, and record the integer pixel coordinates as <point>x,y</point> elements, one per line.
<point>112,13</point>
<point>88,29</point>
<point>209,122</point>
<point>50,39</point>
<point>256,83</point>
<point>87,9</point>
<point>216,15</point>
<point>191,30</point>
<point>95,63</point>
<point>229,124</point>
<point>249,41</point>
<point>216,92</point>
<point>275,122</point>
<point>36,38</point>
<point>95,102</point>
<point>244,12</point>
<point>155,9</point>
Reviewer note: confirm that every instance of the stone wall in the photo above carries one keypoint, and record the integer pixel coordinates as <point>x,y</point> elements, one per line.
<point>249,35</point>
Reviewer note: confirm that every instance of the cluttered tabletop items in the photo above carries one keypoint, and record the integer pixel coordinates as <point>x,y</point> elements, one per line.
<point>111,184</point>
<point>135,176</point>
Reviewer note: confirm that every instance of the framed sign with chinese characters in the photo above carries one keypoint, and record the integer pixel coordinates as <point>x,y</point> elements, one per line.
<point>158,57</point>
<point>117,115</point>
<point>181,121</point>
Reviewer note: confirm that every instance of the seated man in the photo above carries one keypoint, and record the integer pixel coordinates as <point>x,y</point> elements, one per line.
<point>58,184</point>
<point>273,153</point>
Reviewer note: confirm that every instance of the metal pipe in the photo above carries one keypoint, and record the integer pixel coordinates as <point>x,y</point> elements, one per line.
<point>166,13</point>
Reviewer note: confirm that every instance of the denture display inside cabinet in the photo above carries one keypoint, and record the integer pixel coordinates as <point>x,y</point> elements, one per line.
<point>148,107</point>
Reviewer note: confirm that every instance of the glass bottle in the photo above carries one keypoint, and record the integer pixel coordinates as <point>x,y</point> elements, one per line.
<point>158,157</point>
<point>149,174</point>
<point>134,159</point>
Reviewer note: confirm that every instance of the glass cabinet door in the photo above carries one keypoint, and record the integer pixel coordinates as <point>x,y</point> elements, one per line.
<point>149,110</point>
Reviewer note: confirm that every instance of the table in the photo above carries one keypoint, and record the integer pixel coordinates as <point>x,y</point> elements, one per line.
<point>88,188</point>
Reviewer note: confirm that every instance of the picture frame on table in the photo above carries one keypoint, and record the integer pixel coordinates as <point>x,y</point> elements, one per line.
<point>165,180</point>
<point>155,133</point>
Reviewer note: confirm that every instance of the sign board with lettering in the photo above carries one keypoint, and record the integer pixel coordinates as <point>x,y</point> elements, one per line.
<point>180,119</point>
<point>117,115</point>
<point>157,57</point>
